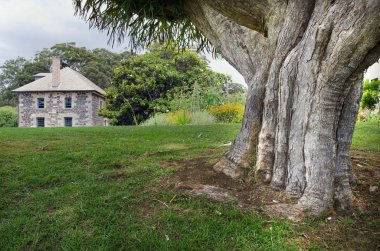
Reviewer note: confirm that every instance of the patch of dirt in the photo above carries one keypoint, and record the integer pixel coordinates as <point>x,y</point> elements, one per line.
<point>366,167</point>
<point>197,177</point>
<point>116,175</point>
<point>360,230</point>
<point>167,148</point>
<point>116,166</point>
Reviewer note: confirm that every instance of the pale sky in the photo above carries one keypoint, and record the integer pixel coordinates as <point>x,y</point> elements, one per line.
<point>27,26</point>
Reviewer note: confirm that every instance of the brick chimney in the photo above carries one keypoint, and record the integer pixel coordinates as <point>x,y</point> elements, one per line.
<point>55,72</point>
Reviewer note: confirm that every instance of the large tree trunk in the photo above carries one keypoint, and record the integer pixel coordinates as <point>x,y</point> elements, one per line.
<point>303,62</point>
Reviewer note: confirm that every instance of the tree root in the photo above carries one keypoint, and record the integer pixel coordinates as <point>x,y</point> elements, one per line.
<point>231,169</point>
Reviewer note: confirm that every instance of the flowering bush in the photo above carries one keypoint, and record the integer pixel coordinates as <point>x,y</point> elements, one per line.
<point>228,113</point>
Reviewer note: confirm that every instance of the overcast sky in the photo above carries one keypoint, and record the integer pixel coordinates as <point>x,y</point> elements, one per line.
<point>27,26</point>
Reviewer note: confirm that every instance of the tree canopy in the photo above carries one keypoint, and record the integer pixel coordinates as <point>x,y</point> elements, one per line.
<point>147,83</point>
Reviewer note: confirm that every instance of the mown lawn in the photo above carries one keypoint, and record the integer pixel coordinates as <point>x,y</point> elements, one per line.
<point>100,189</point>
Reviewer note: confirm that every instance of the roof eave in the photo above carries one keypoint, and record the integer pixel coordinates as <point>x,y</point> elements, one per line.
<point>101,94</point>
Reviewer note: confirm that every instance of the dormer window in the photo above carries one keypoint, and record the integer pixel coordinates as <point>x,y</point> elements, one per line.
<point>40,102</point>
<point>68,102</point>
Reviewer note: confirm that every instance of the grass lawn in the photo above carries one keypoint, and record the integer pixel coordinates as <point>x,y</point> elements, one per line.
<point>102,188</point>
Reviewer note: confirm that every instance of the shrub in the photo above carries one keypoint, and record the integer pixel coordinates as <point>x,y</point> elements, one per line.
<point>202,118</point>
<point>370,95</point>
<point>228,113</point>
<point>180,117</point>
<point>8,116</point>
<point>157,119</point>
<point>369,100</point>
<point>373,85</point>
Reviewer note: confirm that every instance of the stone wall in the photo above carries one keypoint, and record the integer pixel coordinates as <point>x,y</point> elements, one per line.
<point>97,101</point>
<point>54,112</point>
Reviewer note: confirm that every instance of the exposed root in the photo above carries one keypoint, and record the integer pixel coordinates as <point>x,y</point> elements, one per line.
<point>198,177</point>
<point>285,211</point>
<point>230,168</point>
<point>211,192</point>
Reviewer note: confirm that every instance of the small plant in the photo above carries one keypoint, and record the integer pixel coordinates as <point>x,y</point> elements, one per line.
<point>228,113</point>
<point>8,116</point>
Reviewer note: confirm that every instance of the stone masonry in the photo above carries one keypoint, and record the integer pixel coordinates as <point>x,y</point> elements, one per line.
<point>84,110</point>
<point>54,89</point>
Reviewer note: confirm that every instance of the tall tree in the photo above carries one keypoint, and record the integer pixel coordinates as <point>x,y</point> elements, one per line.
<point>148,82</point>
<point>303,62</point>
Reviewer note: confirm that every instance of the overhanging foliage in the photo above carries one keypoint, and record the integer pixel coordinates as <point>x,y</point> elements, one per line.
<point>143,22</point>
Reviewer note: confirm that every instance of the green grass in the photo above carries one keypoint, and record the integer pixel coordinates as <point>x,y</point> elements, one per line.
<point>99,189</point>
<point>367,135</point>
<point>58,192</point>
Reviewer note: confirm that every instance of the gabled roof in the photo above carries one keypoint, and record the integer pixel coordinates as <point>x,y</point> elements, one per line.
<point>70,80</point>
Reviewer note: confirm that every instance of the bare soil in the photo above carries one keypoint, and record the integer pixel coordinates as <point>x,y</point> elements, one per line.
<point>356,230</point>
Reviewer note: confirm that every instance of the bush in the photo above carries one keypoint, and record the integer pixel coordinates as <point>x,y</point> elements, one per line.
<point>370,94</point>
<point>228,113</point>
<point>202,118</point>
<point>157,119</point>
<point>8,116</point>
<point>369,100</point>
<point>180,117</point>
<point>373,85</point>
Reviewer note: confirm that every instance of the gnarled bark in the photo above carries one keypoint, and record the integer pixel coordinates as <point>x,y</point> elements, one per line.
<point>303,63</point>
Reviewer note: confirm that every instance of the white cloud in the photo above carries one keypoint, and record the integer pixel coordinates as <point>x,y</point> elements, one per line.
<point>29,26</point>
<point>222,66</point>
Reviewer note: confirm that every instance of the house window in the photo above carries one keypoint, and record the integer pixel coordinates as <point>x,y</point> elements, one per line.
<point>100,103</point>
<point>68,102</point>
<point>40,102</point>
<point>68,121</point>
<point>40,122</point>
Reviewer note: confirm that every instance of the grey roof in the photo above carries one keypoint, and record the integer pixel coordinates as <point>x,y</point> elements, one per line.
<point>70,81</point>
<point>42,74</point>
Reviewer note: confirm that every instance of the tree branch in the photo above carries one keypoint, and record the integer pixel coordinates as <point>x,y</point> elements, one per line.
<point>240,46</point>
<point>251,14</point>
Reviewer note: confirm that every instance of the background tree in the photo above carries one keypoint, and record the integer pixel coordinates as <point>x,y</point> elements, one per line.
<point>15,73</point>
<point>95,64</point>
<point>371,91</point>
<point>149,82</point>
<point>303,62</point>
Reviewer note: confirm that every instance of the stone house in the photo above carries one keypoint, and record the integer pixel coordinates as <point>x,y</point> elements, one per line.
<point>63,97</point>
